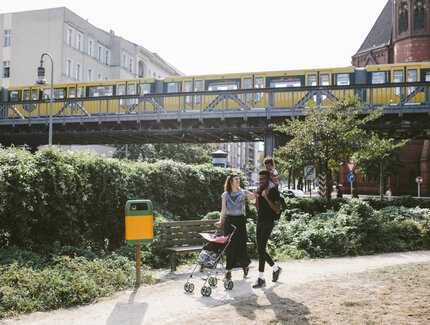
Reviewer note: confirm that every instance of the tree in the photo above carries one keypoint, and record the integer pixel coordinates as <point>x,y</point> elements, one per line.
<point>379,157</point>
<point>325,137</point>
<point>181,152</point>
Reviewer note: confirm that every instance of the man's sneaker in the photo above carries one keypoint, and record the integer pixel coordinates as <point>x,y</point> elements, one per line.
<point>275,274</point>
<point>259,283</point>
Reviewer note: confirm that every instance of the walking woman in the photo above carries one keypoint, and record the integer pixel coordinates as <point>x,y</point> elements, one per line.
<point>233,212</point>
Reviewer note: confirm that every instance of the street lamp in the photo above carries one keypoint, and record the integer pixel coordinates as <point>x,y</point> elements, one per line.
<point>41,81</point>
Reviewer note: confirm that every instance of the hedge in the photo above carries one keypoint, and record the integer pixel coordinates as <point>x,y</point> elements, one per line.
<point>78,199</point>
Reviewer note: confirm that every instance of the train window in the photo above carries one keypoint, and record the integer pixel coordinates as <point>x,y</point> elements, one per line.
<point>72,92</point>
<point>259,82</point>
<point>223,85</point>
<point>34,94</point>
<point>14,95</point>
<point>324,79</point>
<point>342,79</point>
<point>285,82</point>
<point>121,89</point>
<point>131,89</point>
<point>145,88</point>
<point>412,75</point>
<point>173,87</point>
<point>198,85</point>
<point>188,86</point>
<point>247,83</point>
<point>378,77</point>
<point>428,76</point>
<point>59,92</point>
<point>398,76</point>
<point>312,80</point>
<point>97,91</point>
<point>81,91</point>
<point>26,95</point>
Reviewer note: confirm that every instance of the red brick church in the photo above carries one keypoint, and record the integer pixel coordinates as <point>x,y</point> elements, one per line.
<point>401,34</point>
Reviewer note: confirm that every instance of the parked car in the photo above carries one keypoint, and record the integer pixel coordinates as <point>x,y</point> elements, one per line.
<point>294,194</point>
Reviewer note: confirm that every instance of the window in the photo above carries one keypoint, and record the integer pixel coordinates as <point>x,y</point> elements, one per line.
<point>6,69</point>
<point>324,80</point>
<point>378,77</point>
<point>428,76</point>
<point>145,88</point>
<point>90,74</point>
<point>398,76</point>
<point>173,87</point>
<point>69,36</point>
<point>90,48</point>
<point>130,65</point>
<point>342,79</point>
<point>412,75</point>
<point>7,35</point>
<point>78,72</point>
<point>107,57</point>
<point>97,91</point>
<point>124,61</point>
<point>223,85</point>
<point>99,77</point>
<point>312,80</point>
<point>419,14</point>
<point>285,82</point>
<point>79,41</point>
<point>403,17</point>
<point>100,53</point>
<point>69,67</point>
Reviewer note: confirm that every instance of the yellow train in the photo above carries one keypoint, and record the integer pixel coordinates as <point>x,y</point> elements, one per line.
<point>26,100</point>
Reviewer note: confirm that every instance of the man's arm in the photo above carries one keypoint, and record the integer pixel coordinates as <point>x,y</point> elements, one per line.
<point>275,206</point>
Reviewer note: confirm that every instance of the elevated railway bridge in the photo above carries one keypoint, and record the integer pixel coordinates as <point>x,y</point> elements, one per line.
<point>205,117</point>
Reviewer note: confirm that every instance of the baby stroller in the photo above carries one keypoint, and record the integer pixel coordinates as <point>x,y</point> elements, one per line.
<point>209,258</point>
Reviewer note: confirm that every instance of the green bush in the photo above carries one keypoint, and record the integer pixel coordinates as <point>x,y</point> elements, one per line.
<point>78,199</point>
<point>62,283</point>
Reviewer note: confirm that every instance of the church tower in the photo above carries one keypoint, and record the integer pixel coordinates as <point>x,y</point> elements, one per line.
<point>401,34</point>
<point>411,30</point>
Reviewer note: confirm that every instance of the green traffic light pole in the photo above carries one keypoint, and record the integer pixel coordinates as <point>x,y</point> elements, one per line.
<point>42,81</point>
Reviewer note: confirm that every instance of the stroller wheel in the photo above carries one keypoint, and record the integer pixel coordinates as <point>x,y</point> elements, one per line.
<point>213,281</point>
<point>190,287</point>
<point>206,291</point>
<point>186,286</point>
<point>229,285</point>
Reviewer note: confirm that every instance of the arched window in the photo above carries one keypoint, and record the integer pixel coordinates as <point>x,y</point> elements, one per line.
<point>420,11</point>
<point>403,17</point>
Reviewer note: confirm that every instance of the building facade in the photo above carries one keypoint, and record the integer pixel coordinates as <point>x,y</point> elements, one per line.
<point>401,34</point>
<point>81,51</point>
<point>243,156</point>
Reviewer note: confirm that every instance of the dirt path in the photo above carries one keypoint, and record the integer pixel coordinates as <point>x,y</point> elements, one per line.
<point>167,303</point>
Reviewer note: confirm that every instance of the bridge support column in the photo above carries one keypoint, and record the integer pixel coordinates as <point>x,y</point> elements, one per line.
<point>271,143</point>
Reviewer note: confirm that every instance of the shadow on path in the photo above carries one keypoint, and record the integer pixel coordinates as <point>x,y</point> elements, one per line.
<point>128,313</point>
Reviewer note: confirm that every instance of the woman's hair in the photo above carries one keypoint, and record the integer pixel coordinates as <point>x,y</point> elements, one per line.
<point>227,184</point>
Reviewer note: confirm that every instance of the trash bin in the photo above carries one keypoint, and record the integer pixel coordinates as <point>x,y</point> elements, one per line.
<point>139,222</point>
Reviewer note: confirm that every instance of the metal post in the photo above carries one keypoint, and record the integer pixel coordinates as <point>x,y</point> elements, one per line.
<point>381,179</point>
<point>138,250</point>
<point>51,99</point>
<point>419,189</point>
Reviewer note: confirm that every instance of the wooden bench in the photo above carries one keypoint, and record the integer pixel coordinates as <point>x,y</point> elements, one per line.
<point>181,237</point>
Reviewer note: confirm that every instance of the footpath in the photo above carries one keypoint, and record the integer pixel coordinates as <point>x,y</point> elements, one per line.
<point>167,303</point>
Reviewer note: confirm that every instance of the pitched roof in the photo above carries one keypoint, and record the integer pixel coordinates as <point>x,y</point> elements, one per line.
<point>381,33</point>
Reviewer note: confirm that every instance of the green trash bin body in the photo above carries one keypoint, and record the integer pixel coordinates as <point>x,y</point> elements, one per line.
<point>139,222</point>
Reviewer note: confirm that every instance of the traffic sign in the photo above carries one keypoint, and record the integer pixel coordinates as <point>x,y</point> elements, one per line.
<point>419,179</point>
<point>351,167</point>
<point>310,172</point>
<point>351,177</point>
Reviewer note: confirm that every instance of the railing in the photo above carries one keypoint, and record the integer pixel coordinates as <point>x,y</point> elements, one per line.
<point>398,99</point>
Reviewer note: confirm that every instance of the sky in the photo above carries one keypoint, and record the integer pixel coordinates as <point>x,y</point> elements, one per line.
<point>227,36</point>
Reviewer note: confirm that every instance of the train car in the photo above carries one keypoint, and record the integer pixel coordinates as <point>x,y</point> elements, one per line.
<point>396,73</point>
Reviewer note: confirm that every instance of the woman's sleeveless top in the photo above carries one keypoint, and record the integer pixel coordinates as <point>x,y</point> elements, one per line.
<point>234,202</point>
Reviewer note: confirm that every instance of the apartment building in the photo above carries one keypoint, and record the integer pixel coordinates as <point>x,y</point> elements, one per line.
<point>81,51</point>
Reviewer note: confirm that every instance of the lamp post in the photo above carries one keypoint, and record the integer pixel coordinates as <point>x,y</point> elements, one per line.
<point>42,81</point>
